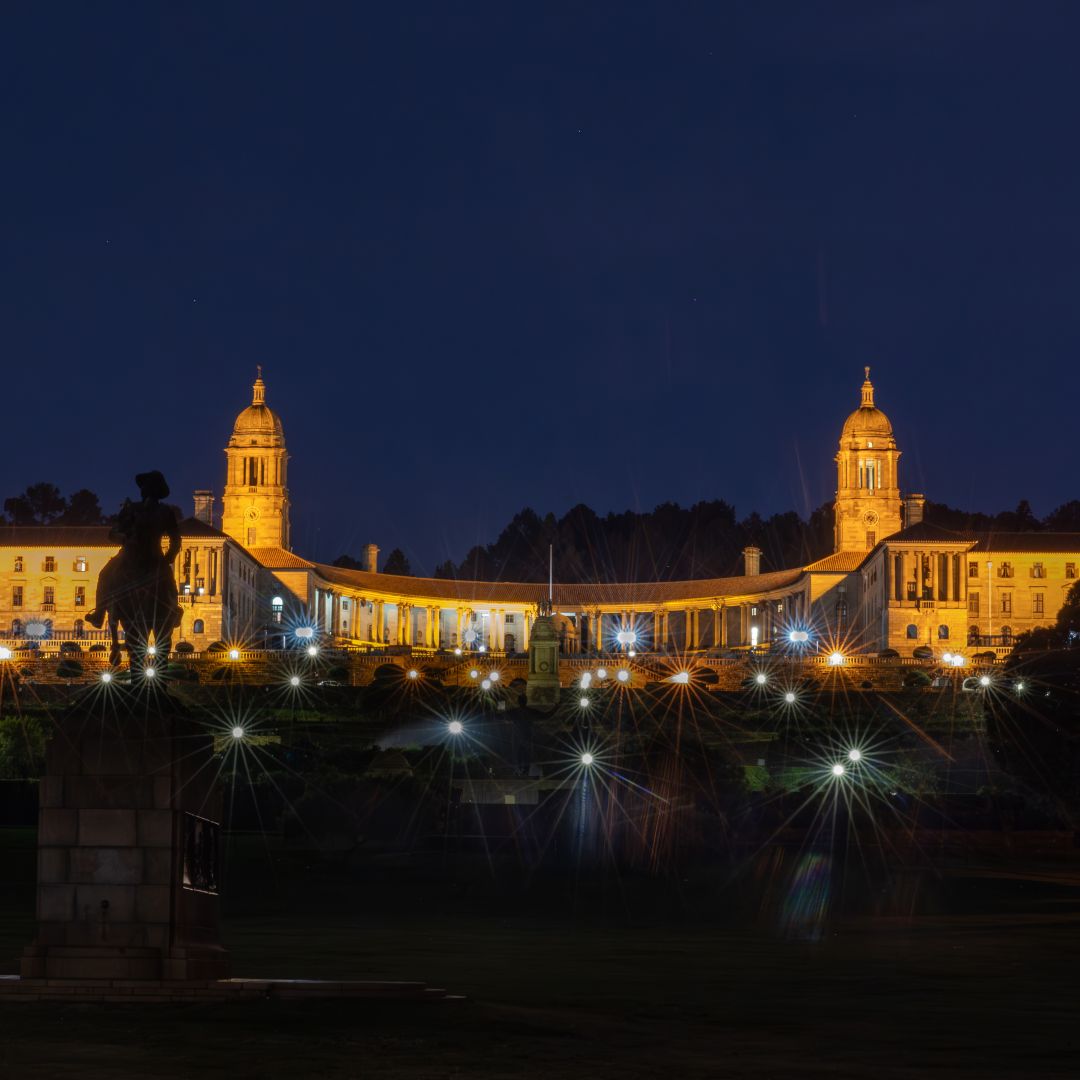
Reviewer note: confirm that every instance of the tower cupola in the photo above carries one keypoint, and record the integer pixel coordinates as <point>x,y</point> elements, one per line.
<point>255,507</point>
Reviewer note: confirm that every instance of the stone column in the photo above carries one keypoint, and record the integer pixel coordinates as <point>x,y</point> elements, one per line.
<point>525,628</point>
<point>598,631</point>
<point>657,630</point>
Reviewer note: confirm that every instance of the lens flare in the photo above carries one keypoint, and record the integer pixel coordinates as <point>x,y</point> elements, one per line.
<point>836,659</point>
<point>455,727</point>
<point>238,732</point>
<point>294,681</point>
<point>587,758</point>
<point>838,769</point>
<point>106,676</point>
<point>854,754</point>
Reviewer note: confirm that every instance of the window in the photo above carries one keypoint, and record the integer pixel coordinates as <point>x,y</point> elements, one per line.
<point>16,627</point>
<point>1037,570</point>
<point>80,596</point>
<point>79,628</point>
<point>943,632</point>
<point>250,537</point>
<point>1037,602</point>
<point>197,627</point>
<point>49,565</point>
<point>912,631</point>
<point>973,569</point>
<point>1070,569</point>
<point>973,635</point>
<point>18,564</point>
<point>912,590</point>
<point>1006,603</point>
<point>973,603</point>
<point>16,596</point>
<point>1006,635</point>
<point>509,619</point>
<point>841,612</point>
<point>80,565</point>
<point>1005,570</point>
<point>871,539</point>
<point>48,596</point>
<point>753,611</point>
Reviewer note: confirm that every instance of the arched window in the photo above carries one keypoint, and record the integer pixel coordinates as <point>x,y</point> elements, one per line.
<point>912,631</point>
<point>197,627</point>
<point>943,632</point>
<point>1006,635</point>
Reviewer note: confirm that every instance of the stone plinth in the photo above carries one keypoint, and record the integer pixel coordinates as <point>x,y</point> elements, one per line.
<point>127,846</point>
<point>542,685</point>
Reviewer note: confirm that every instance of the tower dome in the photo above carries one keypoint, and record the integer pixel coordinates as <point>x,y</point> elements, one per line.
<point>867,507</point>
<point>258,421</point>
<point>256,504</point>
<point>867,419</point>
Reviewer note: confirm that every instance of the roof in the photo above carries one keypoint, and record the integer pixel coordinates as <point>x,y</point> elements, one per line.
<point>867,421</point>
<point>276,558</point>
<point>529,592</point>
<point>87,536</point>
<point>840,562</point>
<point>1020,542</point>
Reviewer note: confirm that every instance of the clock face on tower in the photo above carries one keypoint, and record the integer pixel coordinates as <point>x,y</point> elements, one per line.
<point>870,517</point>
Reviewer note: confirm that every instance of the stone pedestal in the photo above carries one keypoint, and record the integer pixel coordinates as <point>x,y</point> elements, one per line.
<point>542,685</point>
<point>128,846</point>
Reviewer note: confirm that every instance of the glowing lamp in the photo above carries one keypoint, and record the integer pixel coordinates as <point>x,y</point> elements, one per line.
<point>798,637</point>
<point>626,637</point>
<point>947,657</point>
<point>789,697</point>
<point>586,679</point>
<point>237,732</point>
<point>151,650</point>
<point>854,754</point>
<point>455,727</point>
<point>632,653</point>
<point>583,702</point>
<point>106,676</point>
<point>294,681</point>
<point>622,675</point>
<point>313,650</point>
<point>486,684</point>
<point>958,660</point>
<point>412,673</point>
<point>838,769</point>
<point>304,633</point>
<point>836,659</point>
<point>5,653</point>
<point>1020,687</point>
<point>494,676</point>
<point>483,648</point>
<point>457,651</point>
<point>761,678</point>
<point>587,758</point>
<point>234,654</point>
<point>984,680</point>
<point>601,673</point>
<point>149,672</point>
<point>474,674</point>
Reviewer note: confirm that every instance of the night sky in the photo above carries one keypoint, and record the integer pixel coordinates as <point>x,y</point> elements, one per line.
<point>507,257</point>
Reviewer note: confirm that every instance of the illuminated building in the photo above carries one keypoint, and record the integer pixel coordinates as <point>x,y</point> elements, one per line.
<point>893,580</point>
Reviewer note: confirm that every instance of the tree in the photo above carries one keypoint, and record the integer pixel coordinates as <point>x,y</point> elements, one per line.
<point>83,508</point>
<point>446,569</point>
<point>40,504</point>
<point>347,562</point>
<point>1066,518</point>
<point>1064,634</point>
<point>396,563</point>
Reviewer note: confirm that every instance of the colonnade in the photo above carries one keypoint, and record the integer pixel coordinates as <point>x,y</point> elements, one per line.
<point>722,624</point>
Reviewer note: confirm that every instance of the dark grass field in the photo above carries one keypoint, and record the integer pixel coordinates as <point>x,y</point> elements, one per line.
<point>583,981</point>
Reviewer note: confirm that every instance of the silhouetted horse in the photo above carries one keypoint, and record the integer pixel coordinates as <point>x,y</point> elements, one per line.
<point>136,586</point>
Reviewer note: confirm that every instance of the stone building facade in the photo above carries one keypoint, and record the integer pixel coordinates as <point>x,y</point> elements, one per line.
<point>892,582</point>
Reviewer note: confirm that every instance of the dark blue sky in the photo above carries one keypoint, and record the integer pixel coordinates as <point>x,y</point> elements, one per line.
<point>509,257</point>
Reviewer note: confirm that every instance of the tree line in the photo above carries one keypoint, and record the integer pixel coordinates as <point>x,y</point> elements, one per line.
<point>674,543</point>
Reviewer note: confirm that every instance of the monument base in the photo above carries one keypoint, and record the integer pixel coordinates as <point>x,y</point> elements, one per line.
<point>128,846</point>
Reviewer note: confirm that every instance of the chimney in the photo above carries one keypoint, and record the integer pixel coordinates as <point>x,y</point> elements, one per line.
<point>913,509</point>
<point>751,561</point>
<point>204,506</point>
<point>371,558</point>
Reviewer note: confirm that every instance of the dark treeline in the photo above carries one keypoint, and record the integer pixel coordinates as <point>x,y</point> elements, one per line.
<point>42,504</point>
<point>704,540</point>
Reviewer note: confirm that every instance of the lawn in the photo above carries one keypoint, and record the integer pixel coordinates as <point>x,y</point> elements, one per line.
<point>587,987</point>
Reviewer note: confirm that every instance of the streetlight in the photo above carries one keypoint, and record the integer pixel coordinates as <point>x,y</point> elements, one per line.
<point>455,727</point>
<point>854,754</point>
<point>238,732</point>
<point>587,759</point>
<point>836,659</point>
<point>838,770</point>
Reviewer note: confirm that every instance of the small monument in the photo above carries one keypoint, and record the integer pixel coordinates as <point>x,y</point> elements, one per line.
<point>129,810</point>
<point>542,685</point>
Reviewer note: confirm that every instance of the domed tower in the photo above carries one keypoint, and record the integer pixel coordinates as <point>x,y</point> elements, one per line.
<point>867,477</point>
<point>256,503</point>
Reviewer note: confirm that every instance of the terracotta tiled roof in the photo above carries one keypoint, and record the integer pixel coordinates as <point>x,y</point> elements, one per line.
<point>275,558</point>
<point>85,536</point>
<point>840,562</point>
<point>1033,542</point>
<point>631,594</point>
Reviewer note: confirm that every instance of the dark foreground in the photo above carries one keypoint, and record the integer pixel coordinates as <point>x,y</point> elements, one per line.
<point>989,992</point>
